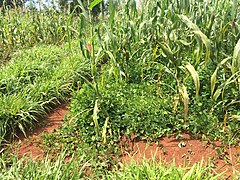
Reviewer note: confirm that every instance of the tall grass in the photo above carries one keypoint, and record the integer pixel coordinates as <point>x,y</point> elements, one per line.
<point>24,168</point>
<point>33,82</point>
<point>150,169</point>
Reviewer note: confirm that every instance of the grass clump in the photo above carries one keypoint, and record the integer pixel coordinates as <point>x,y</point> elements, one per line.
<point>150,169</point>
<point>34,81</point>
<point>80,166</point>
<point>60,168</point>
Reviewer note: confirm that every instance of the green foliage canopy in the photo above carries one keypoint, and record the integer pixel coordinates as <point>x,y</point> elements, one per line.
<point>64,5</point>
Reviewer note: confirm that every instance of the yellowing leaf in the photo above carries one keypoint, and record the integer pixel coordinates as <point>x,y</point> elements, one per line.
<point>104,132</point>
<point>95,116</point>
<point>183,92</point>
<point>235,117</point>
<point>195,77</point>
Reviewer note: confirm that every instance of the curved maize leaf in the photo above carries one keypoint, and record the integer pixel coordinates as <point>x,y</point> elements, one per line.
<point>199,33</point>
<point>214,75</point>
<point>195,77</point>
<point>183,92</point>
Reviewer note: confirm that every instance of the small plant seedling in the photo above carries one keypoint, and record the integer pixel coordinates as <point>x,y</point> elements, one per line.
<point>182,144</point>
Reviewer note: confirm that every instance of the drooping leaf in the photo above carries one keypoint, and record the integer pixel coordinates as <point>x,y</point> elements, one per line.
<point>22,129</point>
<point>214,75</point>
<point>167,51</point>
<point>195,77</point>
<point>183,92</point>
<point>198,32</point>
<point>188,22</point>
<point>206,42</point>
<point>235,77</point>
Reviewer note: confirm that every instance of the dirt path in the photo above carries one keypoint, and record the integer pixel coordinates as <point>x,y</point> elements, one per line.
<point>30,146</point>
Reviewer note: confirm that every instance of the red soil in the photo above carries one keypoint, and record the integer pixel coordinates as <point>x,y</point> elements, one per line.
<point>167,149</point>
<point>184,151</point>
<point>30,146</point>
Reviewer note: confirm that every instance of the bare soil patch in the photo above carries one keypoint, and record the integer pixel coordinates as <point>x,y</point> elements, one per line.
<point>184,151</point>
<point>30,146</point>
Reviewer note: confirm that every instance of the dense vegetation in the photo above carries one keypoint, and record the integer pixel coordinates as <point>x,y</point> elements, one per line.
<point>153,70</point>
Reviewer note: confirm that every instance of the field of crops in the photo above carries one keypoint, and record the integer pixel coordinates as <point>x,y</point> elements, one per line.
<point>149,69</point>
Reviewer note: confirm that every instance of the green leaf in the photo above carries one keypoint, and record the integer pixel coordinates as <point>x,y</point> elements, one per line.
<point>195,77</point>
<point>22,129</point>
<point>236,62</point>
<point>206,42</point>
<point>216,94</point>
<point>236,58</point>
<point>167,51</point>
<point>198,32</point>
<point>235,117</point>
<point>112,11</point>
<point>188,22</point>
<point>213,80</point>
<point>214,75</point>
<point>93,4</point>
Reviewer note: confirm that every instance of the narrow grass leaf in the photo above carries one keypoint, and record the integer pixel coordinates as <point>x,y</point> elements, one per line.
<point>213,81</point>
<point>112,10</point>
<point>217,94</point>
<point>188,22</point>
<point>235,117</point>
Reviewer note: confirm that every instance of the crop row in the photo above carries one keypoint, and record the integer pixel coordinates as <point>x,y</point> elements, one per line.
<point>23,28</point>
